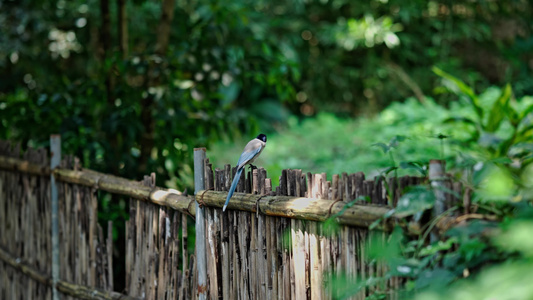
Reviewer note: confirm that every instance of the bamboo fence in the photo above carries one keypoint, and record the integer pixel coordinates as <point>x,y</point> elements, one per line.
<point>271,244</point>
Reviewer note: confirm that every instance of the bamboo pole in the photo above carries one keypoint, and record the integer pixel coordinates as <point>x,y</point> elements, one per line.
<point>67,288</point>
<point>199,185</point>
<point>55,151</point>
<point>438,181</point>
<point>15,164</point>
<point>299,207</point>
<point>105,182</point>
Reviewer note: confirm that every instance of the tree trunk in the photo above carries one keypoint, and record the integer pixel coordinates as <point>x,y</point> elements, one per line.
<point>122,28</point>
<point>147,104</point>
<point>105,41</point>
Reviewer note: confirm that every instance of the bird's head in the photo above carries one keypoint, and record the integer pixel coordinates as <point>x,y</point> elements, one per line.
<point>262,137</point>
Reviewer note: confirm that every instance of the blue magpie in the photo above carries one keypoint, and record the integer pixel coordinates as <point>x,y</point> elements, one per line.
<point>250,153</point>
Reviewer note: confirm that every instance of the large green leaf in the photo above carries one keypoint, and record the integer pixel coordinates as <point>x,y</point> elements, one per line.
<point>463,87</point>
<point>499,109</point>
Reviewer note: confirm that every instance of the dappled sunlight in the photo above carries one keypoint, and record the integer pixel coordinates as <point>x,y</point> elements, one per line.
<point>301,203</point>
<point>160,195</point>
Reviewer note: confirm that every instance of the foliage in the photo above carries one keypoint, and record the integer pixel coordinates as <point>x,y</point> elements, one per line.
<point>357,57</point>
<point>109,107</point>
<point>233,69</point>
<point>479,259</point>
<point>140,106</point>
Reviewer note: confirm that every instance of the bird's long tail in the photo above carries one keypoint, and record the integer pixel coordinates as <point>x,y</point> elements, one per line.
<point>233,186</point>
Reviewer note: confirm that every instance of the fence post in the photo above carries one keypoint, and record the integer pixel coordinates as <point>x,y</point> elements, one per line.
<point>199,184</point>
<point>55,152</point>
<point>437,178</point>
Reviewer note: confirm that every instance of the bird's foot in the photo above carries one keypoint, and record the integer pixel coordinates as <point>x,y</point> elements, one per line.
<point>252,167</point>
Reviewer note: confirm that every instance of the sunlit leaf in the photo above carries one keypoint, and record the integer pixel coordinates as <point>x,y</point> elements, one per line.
<point>526,112</point>
<point>517,238</point>
<point>465,89</point>
<point>414,166</point>
<point>497,185</point>
<point>525,134</point>
<point>438,246</point>
<point>499,109</point>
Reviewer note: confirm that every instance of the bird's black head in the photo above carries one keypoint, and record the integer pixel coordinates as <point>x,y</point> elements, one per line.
<point>262,137</point>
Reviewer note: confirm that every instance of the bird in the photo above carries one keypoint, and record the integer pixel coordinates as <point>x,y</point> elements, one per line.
<point>249,154</point>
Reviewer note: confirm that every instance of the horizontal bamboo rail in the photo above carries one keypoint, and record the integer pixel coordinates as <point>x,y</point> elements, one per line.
<point>13,164</point>
<point>282,206</point>
<point>299,207</point>
<point>105,182</point>
<point>130,188</point>
<point>75,290</point>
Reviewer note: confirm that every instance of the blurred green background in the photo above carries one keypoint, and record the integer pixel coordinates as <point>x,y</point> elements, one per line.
<point>379,86</point>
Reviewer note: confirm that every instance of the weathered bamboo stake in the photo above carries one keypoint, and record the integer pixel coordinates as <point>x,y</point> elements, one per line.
<point>184,257</point>
<point>162,274</point>
<point>224,237</point>
<point>298,243</point>
<point>359,178</point>
<point>274,255</point>
<point>285,243</point>
<point>265,189</point>
<point>181,279</point>
<point>55,151</point>
<point>268,187</point>
<point>235,256</point>
<point>438,181</point>
<point>267,262</point>
<point>254,252</point>
<point>211,252</point>
<point>199,185</point>
<point>347,187</point>
<point>244,232</point>
<point>227,177</point>
<point>255,182</point>
<point>93,231</point>
<point>261,259</point>
<point>326,267</point>
<point>75,290</point>
<point>217,216</point>
<point>335,187</point>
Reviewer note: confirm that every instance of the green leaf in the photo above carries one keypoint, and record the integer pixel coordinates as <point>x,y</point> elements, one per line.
<point>499,109</point>
<point>501,160</point>
<point>463,87</point>
<point>526,112</point>
<point>435,278</point>
<point>414,166</point>
<point>517,238</point>
<point>525,134</point>
<point>418,198</point>
<point>438,246</point>
<point>388,170</point>
<point>383,147</point>
<point>396,140</point>
<point>460,120</point>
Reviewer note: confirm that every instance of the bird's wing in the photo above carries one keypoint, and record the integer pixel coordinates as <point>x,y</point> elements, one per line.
<point>252,149</point>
